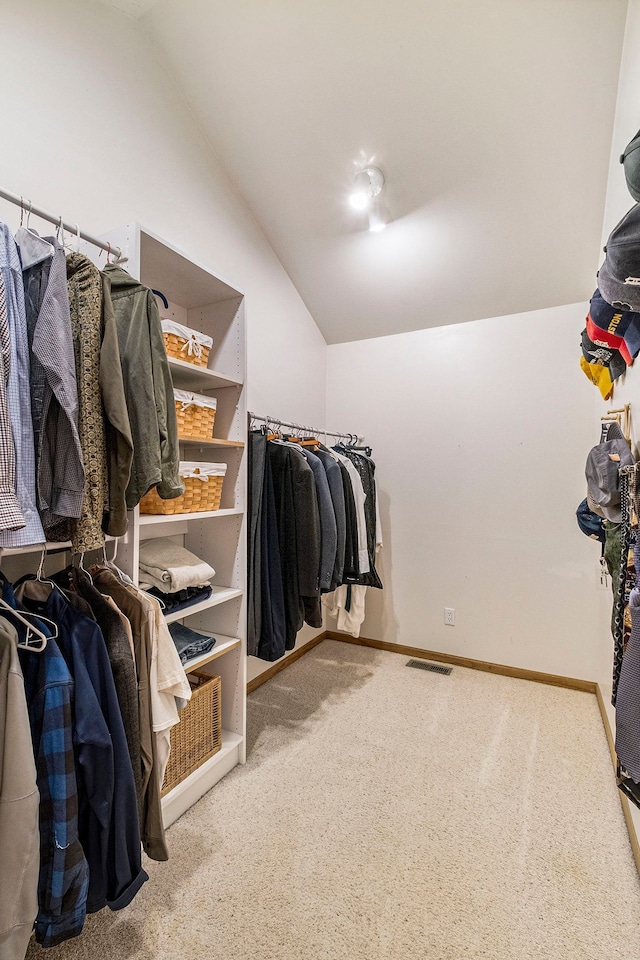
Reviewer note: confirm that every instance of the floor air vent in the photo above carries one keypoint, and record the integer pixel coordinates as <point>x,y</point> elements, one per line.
<point>431,667</point>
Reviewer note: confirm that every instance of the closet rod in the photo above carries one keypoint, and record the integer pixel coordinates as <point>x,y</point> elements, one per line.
<point>301,426</point>
<point>72,228</point>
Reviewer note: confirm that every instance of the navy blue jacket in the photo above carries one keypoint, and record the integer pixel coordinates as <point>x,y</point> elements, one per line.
<point>108,816</point>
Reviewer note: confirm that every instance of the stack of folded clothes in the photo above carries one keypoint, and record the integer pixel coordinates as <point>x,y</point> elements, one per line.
<point>173,575</point>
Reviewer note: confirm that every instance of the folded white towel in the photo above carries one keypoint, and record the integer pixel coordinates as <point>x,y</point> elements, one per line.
<point>169,567</point>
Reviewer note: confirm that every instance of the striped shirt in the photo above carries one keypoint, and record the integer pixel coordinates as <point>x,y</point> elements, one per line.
<point>18,401</point>
<point>10,514</point>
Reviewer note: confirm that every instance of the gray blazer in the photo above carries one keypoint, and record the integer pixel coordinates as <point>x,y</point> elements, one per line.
<point>328,526</point>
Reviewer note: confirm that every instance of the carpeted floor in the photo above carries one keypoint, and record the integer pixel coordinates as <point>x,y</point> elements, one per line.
<point>386,813</point>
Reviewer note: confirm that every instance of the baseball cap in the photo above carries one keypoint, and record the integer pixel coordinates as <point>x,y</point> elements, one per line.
<point>599,375</point>
<point>589,522</point>
<point>619,329</point>
<point>619,275</point>
<point>631,160</point>
<point>603,487</point>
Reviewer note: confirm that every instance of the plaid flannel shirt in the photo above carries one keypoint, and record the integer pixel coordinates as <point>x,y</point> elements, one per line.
<point>64,875</point>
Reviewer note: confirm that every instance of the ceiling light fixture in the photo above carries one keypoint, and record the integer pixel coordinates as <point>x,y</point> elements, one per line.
<point>367,187</point>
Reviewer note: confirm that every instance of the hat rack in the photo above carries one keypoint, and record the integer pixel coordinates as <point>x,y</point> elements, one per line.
<point>621,416</point>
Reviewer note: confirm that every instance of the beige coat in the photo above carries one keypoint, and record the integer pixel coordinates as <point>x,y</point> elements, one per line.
<point>19,806</point>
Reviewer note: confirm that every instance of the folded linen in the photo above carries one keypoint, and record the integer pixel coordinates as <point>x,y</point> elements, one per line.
<point>169,567</point>
<point>189,643</point>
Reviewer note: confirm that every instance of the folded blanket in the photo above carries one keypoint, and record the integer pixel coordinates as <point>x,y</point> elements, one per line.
<point>169,567</point>
<point>189,643</point>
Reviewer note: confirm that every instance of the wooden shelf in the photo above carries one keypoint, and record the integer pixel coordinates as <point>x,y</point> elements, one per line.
<point>190,442</point>
<point>223,645</point>
<point>146,518</point>
<point>186,374</point>
<point>219,595</point>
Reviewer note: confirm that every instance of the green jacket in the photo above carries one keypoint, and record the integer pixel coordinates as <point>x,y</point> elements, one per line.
<point>148,389</point>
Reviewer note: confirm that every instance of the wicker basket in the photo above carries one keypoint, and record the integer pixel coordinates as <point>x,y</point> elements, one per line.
<point>203,491</point>
<point>183,343</point>
<point>196,415</point>
<point>198,735</point>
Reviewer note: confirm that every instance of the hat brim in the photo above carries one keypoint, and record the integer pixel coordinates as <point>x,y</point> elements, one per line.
<point>617,294</point>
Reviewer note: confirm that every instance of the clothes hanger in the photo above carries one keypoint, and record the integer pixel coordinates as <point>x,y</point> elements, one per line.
<point>73,243</point>
<point>165,302</point>
<point>33,248</point>
<point>32,632</point>
<point>111,564</point>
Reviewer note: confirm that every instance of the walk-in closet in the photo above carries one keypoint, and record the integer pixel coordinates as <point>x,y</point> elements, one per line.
<point>319,566</point>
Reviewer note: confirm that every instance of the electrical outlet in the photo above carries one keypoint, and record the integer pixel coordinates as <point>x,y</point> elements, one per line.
<point>449,616</point>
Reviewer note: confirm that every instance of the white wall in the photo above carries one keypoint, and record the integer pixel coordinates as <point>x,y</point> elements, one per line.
<point>619,200</point>
<point>480,434</point>
<point>92,126</point>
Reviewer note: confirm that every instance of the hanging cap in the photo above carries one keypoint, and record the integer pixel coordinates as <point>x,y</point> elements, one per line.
<point>603,486</point>
<point>631,160</point>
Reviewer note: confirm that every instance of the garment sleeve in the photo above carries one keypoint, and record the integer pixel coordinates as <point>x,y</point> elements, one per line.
<point>170,486</point>
<point>308,539</point>
<point>61,467</point>
<point>64,873</point>
<point>117,426</point>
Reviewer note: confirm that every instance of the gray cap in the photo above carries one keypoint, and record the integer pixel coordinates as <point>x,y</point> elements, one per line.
<point>619,275</point>
<point>603,463</point>
<point>631,160</point>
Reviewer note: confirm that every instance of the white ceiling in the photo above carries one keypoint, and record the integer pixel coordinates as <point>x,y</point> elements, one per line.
<point>135,8</point>
<point>491,120</point>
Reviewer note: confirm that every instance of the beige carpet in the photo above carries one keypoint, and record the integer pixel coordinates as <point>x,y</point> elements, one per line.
<point>390,814</point>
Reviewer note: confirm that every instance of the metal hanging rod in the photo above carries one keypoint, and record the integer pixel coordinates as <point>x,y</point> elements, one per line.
<point>274,421</point>
<point>30,208</point>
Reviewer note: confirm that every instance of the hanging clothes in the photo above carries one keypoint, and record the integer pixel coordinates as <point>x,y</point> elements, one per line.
<point>148,389</point>
<point>256,457</point>
<point>328,525</point>
<point>117,427</point>
<point>361,520</point>
<point>366,471</point>
<point>120,652</point>
<point>351,570</point>
<point>63,879</point>
<point>336,491</point>
<point>347,603</point>
<point>107,813</point>
<point>11,517</point>
<point>272,640</point>
<point>314,531</point>
<point>18,393</point>
<point>54,392</point>
<point>84,285</point>
<point>626,580</point>
<point>19,805</point>
<point>298,536</point>
<point>161,679</point>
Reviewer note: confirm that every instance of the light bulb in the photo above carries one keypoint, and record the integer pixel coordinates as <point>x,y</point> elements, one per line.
<point>362,192</point>
<point>359,200</point>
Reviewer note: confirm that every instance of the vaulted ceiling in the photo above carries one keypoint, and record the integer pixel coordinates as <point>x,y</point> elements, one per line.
<point>491,120</point>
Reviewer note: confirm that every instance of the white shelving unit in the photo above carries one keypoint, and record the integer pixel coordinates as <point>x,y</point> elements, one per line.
<point>202,301</point>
